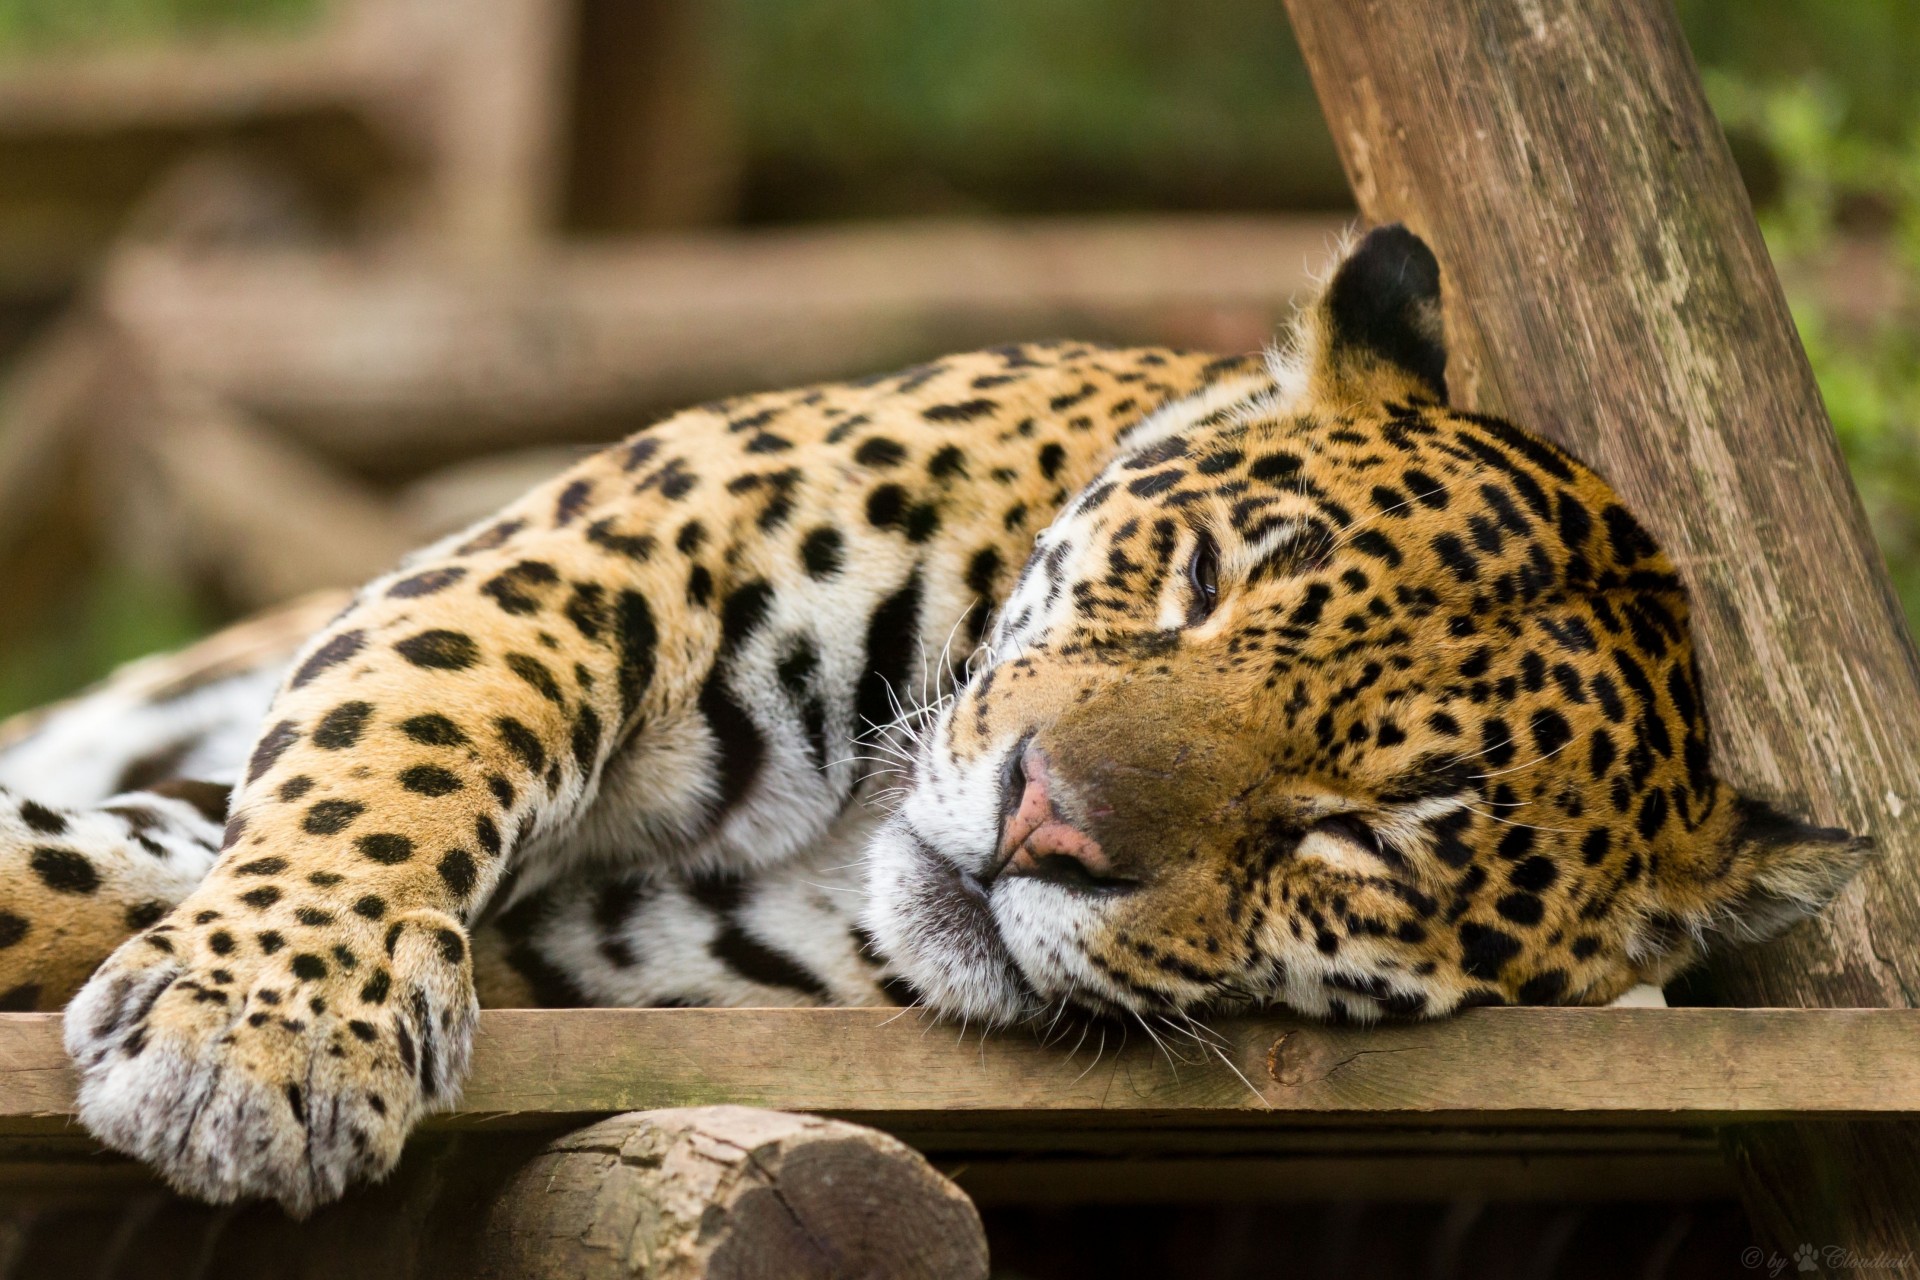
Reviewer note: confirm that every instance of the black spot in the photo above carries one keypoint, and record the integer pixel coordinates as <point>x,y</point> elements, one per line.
<point>1594,846</point>
<point>965,411</point>
<point>636,547</point>
<point>370,907</point>
<point>63,870</point>
<point>13,928</point>
<point>440,649</point>
<point>491,538</point>
<point>385,847</point>
<point>947,463</point>
<point>1534,875</point>
<point>586,739</point>
<point>1631,543</point>
<point>487,834</point>
<point>262,898</point>
<point>261,867</point>
<point>429,780</point>
<point>523,743</point>
<point>1543,988</point>
<point>295,787</point>
<point>572,500</point>
<point>331,654</point>
<point>139,916</point>
<point>457,869</point>
<point>1550,731</point>
<point>922,521</point>
<point>1453,553</point>
<point>1425,488</point>
<point>270,748</point>
<point>757,962</point>
<point>42,819</point>
<point>1653,813</point>
<point>340,728</point>
<point>879,452</point>
<point>1275,468</point>
<point>330,817</point>
<point>1158,482</point>
<point>1485,951</point>
<point>452,946</point>
<point>433,730</point>
<point>893,651</point>
<point>885,505</point>
<point>821,552</point>
<point>1378,545</point>
<point>638,637</point>
<point>510,588</point>
<point>308,967</point>
<point>426,583</point>
<point>1496,744</point>
<point>536,674</point>
<point>24,998</point>
<point>1521,908</point>
<point>742,750</point>
<point>743,613</point>
<point>982,570</point>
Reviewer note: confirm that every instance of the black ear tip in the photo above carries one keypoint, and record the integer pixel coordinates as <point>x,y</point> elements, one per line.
<point>1759,822</point>
<point>1385,299</point>
<point>1392,261</point>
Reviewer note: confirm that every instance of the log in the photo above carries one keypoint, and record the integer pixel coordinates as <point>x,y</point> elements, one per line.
<point>1607,284</point>
<point>393,363</point>
<point>729,1192</point>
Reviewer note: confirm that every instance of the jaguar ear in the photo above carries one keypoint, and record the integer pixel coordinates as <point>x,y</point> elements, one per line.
<point>1375,332</point>
<point>1780,870</point>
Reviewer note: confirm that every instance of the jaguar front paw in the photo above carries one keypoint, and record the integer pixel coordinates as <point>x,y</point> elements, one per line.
<point>241,1066</point>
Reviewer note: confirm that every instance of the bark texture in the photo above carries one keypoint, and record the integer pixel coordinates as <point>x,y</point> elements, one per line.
<point>730,1193</point>
<point>1607,284</point>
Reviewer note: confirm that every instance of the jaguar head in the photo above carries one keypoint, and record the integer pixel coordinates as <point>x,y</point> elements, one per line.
<point>1329,695</point>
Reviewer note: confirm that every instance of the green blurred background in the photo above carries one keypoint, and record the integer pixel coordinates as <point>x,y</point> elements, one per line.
<point>848,109</point>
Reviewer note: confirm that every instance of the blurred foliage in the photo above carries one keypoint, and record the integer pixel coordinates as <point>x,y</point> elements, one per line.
<point>1845,188</point>
<point>115,617</point>
<point>850,107</point>
<point>29,25</point>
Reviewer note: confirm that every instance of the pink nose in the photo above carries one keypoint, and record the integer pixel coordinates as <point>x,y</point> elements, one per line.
<point>1036,830</point>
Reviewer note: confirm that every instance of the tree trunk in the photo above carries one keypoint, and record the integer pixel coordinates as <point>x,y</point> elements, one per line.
<point>708,1193</point>
<point>1607,284</point>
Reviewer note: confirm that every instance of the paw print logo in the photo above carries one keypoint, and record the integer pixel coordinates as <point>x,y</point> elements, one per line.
<point>1803,1256</point>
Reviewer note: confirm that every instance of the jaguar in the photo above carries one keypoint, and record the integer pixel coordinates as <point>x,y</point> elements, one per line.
<point>1055,676</point>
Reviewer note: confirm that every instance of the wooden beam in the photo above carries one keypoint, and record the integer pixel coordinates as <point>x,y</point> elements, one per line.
<point>1607,284</point>
<point>1578,1068</point>
<point>374,360</point>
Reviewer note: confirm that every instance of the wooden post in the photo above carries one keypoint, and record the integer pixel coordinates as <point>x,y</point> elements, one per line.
<point>710,1192</point>
<point>1607,283</point>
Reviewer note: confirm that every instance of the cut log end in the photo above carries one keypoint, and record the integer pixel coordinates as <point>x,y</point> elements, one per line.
<point>733,1193</point>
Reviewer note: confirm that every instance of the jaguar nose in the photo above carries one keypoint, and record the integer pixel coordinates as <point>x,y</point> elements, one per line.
<point>1036,839</point>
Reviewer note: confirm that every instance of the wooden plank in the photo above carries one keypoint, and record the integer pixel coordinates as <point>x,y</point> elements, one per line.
<point>1559,1178</point>
<point>1608,284</point>
<point>376,358</point>
<point>1514,1067</point>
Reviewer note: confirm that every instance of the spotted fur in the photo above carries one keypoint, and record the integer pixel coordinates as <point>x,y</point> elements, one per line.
<point>1311,689</point>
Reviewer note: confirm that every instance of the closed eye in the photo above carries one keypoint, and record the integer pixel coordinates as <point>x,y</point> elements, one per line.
<point>1330,836</point>
<point>1203,578</point>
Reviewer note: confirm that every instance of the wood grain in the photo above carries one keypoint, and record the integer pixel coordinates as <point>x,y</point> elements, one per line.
<point>729,1193</point>
<point>1608,285</point>
<point>1580,1068</point>
<point>371,359</point>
